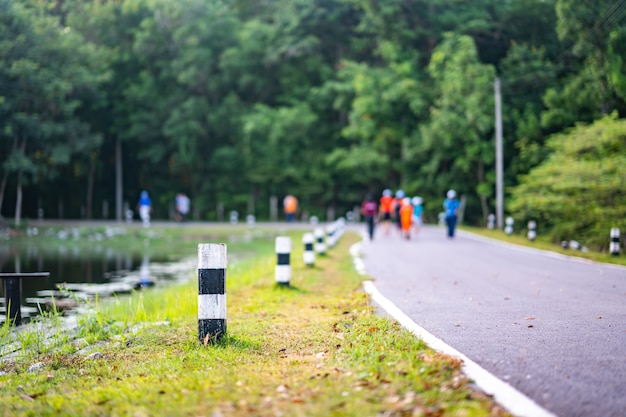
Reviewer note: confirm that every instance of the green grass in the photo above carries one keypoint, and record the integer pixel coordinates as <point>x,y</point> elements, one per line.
<point>315,348</point>
<point>544,244</point>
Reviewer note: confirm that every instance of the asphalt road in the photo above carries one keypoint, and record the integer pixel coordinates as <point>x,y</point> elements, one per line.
<point>553,327</point>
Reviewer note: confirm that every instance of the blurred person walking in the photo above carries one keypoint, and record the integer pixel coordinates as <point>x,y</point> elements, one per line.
<point>182,207</point>
<point>397,204</point>
<point>406,217</point>
<point>369,210</point>
<point>451,210</point>
<point>144,206</point>
<point>290,206</point>
<point>385,210</point>
<point>418,213</point>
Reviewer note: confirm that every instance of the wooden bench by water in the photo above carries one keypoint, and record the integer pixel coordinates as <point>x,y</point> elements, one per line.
<point>13,292</point>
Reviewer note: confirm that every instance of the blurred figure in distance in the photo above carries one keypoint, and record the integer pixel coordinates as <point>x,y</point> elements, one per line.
<point>144,206</point>
<point>290,206</point>
<point>369,209</point>
<point>386,207</point>
<point>451,211</point>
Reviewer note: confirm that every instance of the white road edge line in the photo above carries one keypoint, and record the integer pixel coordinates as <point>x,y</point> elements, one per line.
<point>511,399</point>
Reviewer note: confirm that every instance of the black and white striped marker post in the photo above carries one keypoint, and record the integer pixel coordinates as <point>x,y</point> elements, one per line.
<point>308,256</point>
<point>320,246</point>
<point>211,291</point>
<point>330,241</point>
<point>614,245</point>
<point>508,229</point>
<point>283,266</point>
<point>532,230</point>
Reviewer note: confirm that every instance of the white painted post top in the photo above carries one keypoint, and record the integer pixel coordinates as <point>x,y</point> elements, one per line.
<point>212,256</point>
<point>283,244</point>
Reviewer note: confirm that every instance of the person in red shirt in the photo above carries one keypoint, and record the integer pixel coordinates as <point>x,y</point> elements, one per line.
<point>385,210</point>
<point>369,209</point>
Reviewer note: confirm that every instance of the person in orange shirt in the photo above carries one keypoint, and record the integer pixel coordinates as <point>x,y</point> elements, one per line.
<point>290,205</point>
<point>386,207</point>
<point>396,205</point>
<point>406,217</point>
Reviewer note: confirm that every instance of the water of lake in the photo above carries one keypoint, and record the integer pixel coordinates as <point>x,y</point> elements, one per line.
<point>83,273</point>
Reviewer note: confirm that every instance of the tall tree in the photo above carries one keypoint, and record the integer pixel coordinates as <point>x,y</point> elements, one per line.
<point>595,28</point>
<point>459,137</point>
<point>44,70</point>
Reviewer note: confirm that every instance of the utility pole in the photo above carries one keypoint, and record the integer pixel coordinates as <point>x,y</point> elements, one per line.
<point>499,164</point>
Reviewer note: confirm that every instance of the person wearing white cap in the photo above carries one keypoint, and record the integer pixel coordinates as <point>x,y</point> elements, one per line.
<point>417,212</point>
<point>451,207</point>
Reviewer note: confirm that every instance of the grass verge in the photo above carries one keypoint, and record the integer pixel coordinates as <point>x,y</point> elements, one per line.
<point>544,244</point>
<point>315,348</point>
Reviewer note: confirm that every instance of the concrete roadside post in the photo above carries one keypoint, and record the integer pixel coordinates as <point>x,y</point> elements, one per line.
<point>330,235</point>
<point>491,221</point>
<point>320,246</point>
<point>308,256</point>
<point>614,245</point>
<point>283,264</point>
<point>532,230</point>
<point>508,229</point>
<point>212,262</point>
<point>250,220</point>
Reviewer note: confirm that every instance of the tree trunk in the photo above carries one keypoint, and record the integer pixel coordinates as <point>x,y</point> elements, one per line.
<point>92,172</point>
<point>5,178</point>
<point>3,186</point>
<point>18,200</point>
<point>118,180</point>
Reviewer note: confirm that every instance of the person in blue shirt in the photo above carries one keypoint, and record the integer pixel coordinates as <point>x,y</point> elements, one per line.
<point>451,209</point>
<point>144,206</point>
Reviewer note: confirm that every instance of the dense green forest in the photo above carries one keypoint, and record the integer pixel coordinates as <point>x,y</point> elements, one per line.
<point>236,101</point>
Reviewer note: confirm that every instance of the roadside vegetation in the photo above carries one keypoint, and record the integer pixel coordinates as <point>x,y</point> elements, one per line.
<point>544,242</point>
<point>239,103</point>
<point>315,348</point>
<point>577,192</point>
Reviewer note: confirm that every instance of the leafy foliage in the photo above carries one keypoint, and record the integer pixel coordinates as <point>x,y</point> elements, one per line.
<point>235,101</point>
<point>578,192</point>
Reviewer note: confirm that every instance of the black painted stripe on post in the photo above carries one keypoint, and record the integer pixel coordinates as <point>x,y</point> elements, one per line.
<point>283,259</point>
<point>211,281</point>
<point>214,328</point>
